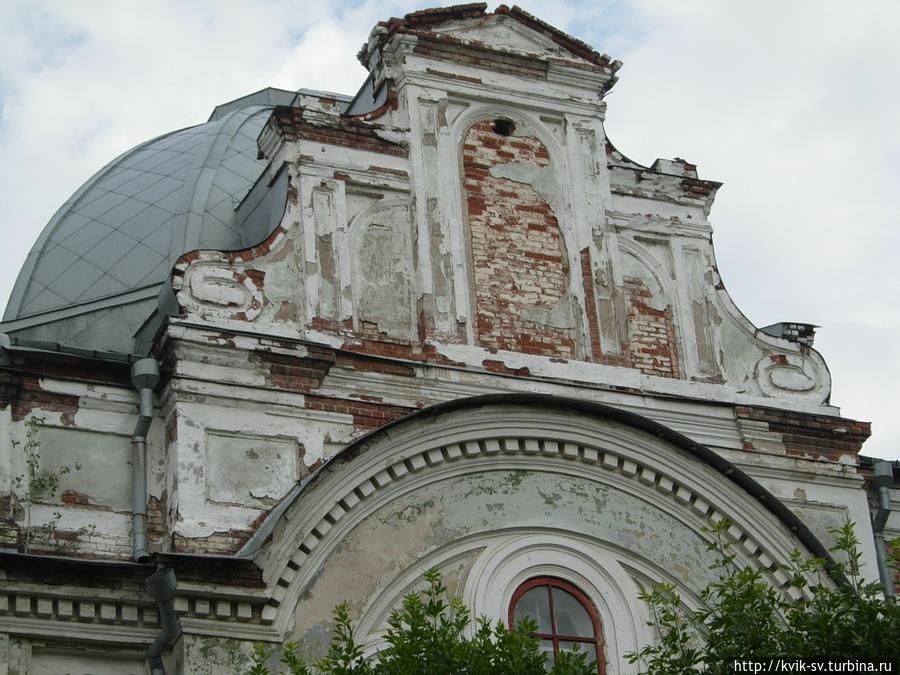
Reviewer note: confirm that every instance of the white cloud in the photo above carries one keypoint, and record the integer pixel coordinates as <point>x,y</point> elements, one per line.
<point>792,105</point>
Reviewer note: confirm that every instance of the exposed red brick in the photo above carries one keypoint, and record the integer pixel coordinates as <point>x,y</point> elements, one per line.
<point>653,347</point>
<point>435,16</point>
<point>809,436</point>
<point>348,132</point>
<point>453,76</point>
<point>366,415</point>
<point>297,373</point>
<point>293,194</point>
<point>241,255</point>
<point>345,360</point>
<point>157,522</point>
<point>216,543</point>
<point>565,40</point>
<point>499,367</point>
<point>73,498</point>
<point>590,300</point>
<point>9,388</point>
<point>391,102</point>
<point>517,248</point>
<point>400,173</point>
<point>33,396</point>
<point>256,276</point>
<point>697,188</point>
<point>443,47</point>
<point>331,325</point>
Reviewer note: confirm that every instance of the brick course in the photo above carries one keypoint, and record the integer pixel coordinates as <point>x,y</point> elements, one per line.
<point>357,134</point>
<point>810,436</point>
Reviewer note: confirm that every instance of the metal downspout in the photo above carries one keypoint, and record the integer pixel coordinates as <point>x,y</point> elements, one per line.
<point>882,479</point>
<point>161,587</point>
<point>144,377</point>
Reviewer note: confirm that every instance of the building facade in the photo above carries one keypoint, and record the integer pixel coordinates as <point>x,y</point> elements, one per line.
<point>307,350</point>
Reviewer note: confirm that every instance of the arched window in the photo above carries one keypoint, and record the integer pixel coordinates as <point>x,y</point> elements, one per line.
<point>564,615</point>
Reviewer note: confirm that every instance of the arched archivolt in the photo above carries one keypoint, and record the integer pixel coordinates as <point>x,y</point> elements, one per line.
<point>480,487</point>
<point>485,569</point>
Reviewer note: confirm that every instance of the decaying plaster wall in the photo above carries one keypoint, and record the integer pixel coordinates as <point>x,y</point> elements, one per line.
<point>418,525</point>
<point>481,237</point>
<point>437,237</point>
<point>81,452</point>
<point>456,490</point>
<point>476,234</point>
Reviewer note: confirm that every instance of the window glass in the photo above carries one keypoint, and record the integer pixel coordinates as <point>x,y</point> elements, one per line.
<point>572,618</point>
<point>566,619</point>
<point>546,647</point>
<point>536,604</point>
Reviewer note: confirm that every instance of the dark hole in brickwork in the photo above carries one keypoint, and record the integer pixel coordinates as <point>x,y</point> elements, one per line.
<point>503,127</point>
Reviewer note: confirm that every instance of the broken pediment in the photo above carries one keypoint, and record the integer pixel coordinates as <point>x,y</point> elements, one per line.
<point>485,223</point>
<point>505,33</point>
<point>491,38</point>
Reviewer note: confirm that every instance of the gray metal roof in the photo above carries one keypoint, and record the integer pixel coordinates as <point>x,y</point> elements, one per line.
<point>93,276</point>
<point>94,273</point>
<point>124,229</point>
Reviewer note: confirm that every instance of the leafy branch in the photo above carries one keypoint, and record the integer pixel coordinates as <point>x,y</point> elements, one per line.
<point>37,483</point>
<point>745,617</point>
<point>427,634</point>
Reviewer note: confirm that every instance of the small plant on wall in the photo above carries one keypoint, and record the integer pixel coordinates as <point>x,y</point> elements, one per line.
<point>36,485</point>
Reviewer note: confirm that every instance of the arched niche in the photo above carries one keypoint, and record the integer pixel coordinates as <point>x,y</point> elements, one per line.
<point>382,275</point>
<point>521,250</point>
<point>655,343</point>
<point>496,490</point>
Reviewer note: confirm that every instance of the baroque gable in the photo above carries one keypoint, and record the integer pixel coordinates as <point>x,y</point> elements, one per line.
<point>495,229</point>
<point>464,331</point>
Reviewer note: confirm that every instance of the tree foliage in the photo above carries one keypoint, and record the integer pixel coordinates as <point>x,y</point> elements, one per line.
<point>746,618</point>
<point>427,634</point>
<point>743,617</point>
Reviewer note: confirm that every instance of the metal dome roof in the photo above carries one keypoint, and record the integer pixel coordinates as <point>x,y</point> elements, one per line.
<point>125,227</point>
<point>93,275</point>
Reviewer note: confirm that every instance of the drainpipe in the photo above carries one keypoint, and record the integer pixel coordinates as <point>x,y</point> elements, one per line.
<point>144,377</point>
<point>161,587</point>
<point>883,476</point>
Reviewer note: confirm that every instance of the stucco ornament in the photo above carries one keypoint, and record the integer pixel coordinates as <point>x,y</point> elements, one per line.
<point>789,374</point>
<point>215,292</point>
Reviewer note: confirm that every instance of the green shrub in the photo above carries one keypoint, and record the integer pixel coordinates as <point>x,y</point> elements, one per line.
<point>427,635</point>
<point>745,618</point>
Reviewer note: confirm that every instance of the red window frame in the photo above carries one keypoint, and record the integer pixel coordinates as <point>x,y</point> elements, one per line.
<point>555,637</point>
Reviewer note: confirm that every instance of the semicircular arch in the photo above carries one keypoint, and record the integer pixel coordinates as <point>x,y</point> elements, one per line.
<point>527,464</point>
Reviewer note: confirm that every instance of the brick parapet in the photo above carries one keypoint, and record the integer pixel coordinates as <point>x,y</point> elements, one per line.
<point>294,124</point>
<point>423,23</point>
<point>807,435</point>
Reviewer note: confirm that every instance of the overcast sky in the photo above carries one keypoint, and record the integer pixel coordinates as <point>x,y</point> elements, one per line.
<point>793,105</point>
